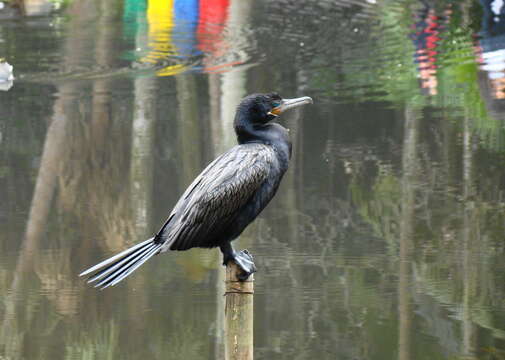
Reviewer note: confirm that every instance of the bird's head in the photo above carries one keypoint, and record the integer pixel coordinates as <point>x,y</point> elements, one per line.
<point>262,108</point>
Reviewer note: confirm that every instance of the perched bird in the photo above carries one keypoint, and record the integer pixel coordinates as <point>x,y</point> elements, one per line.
<point>226,197</point>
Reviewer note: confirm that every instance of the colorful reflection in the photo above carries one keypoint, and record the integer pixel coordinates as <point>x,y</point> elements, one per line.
<point>213,17</point>
<point>182,35</point>
<point>490,46</point>
<point>426,38</point>
<point>160,17</point>
<point>186,18</point>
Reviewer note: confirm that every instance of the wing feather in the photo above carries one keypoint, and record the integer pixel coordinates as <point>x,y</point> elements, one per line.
<point>212,201</point>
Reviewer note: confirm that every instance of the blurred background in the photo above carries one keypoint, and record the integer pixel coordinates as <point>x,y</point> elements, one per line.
<point>385,240</point>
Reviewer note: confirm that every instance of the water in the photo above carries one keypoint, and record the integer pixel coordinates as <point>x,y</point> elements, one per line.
<point>384,241</point>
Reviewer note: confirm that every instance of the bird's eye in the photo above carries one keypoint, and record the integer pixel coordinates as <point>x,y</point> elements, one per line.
<point>276,103</point>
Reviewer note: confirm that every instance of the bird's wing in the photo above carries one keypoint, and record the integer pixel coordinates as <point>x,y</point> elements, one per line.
<point>211,202</point>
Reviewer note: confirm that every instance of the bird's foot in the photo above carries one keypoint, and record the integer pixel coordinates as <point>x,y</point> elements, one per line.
<point>245,262</point>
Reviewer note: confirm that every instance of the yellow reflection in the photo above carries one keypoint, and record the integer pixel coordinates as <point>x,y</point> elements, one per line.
<point>160,17</point>
<point>171,70</point>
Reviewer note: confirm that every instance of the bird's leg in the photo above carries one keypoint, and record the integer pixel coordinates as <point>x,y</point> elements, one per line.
<point>228,253</point>
<point>243,259</point>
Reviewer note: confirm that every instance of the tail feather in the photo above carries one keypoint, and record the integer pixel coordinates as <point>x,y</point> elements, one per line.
<point>120,255</point>
<point>116,268</point>
<point>134,267</point>
<point>138,259</point>
<point>121,263</point>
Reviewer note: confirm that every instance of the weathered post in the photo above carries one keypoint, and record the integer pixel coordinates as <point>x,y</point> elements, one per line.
<point>238,315</point>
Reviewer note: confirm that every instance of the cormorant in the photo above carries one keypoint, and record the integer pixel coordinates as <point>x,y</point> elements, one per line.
<point>226,197</point>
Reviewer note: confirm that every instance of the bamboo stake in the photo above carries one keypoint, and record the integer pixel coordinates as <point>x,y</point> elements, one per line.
<point>238,315</point>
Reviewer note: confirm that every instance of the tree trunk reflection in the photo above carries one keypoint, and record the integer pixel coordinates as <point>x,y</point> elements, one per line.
<point>410,173</point>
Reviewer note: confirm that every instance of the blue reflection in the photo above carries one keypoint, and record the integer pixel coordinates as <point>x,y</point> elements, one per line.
<point>186,19</point>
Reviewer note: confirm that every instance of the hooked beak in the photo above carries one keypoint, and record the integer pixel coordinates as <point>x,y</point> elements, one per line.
<point>287,104</point>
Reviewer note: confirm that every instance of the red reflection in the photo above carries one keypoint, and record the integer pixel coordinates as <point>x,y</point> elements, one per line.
<point>212,19</point>
<point>427,39</point>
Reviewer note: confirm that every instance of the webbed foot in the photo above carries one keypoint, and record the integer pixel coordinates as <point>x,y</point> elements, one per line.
<point>245,261</point>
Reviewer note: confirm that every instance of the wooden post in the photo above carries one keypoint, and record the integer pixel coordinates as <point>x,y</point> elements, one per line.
<point>238,315</point>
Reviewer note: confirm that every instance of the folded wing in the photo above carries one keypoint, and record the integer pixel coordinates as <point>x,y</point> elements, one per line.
<point>215,198</point>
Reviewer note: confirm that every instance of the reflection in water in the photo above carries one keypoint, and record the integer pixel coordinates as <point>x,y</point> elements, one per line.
<point>11,334</point>
<point>386,237</point>
<point>469,238</point>
<point>190,35</point>
<point>213,16</point>
<point>426,39</point>
<point>410,168</point>
<point>143,135</point>
<point>6,76</point>
<point>160,18</point>
<point>492,45</point>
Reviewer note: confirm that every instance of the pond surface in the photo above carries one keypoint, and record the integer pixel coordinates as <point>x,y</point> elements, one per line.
<point>385,240</point>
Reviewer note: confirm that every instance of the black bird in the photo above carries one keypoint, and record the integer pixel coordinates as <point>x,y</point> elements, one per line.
<point>226,197</point>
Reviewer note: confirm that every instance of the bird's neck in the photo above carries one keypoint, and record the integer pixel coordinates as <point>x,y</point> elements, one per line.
<point>248,132</point>
<point>270,134</point>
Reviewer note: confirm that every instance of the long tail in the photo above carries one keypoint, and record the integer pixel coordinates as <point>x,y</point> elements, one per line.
<point>116,268</point>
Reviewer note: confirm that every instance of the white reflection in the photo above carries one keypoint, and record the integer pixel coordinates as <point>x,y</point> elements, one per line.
<point>6,76</point>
